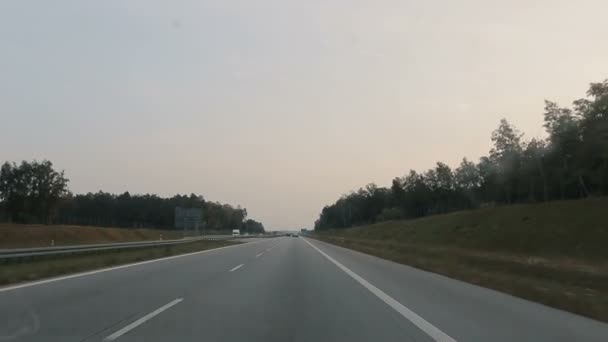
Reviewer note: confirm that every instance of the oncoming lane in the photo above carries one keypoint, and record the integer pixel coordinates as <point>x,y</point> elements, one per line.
<point>90,306</point>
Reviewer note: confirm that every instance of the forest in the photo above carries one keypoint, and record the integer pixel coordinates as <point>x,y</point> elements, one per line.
<point>570,163</point>
<point>34,192</point>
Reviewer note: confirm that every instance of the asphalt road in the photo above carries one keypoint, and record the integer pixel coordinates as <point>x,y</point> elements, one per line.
<point>283,289</point>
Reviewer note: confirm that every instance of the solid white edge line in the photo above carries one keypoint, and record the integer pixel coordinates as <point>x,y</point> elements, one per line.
<point>259,255</point>
<point>236,268</point>
<point>410,315</point>
<point>82,274</point>
<point>145,318</point>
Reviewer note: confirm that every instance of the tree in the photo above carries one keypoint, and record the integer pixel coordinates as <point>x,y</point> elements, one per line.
<point>506,154</point>
<point>32,190</point>
<point>253,227</point>
<point>593,152</point>
<point>389,214</point>
<point>440,182</point>
<point>490,186</point>
<point>571,163</point>
<point>467,176</point>
<point>418,197</point>
<point>468,180</point>
<point>563,129</point>
<point>533,169</point>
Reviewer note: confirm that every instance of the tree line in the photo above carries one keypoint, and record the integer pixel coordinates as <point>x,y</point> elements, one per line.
<point>33,192</point>
<point>570,163</point>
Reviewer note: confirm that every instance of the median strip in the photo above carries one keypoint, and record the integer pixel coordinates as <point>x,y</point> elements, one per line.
<point>140,321</point>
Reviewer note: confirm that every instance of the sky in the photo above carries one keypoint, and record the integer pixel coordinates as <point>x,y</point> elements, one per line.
<point>281,106</point>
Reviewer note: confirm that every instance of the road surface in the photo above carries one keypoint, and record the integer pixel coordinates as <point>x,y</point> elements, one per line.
<point>282,289</point>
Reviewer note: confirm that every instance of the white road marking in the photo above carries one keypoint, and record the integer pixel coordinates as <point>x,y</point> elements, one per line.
<point>259,255</point>
<point>410,315</point>
<point>236,268</point>
<point>77,275</point>
<point>141,320</point>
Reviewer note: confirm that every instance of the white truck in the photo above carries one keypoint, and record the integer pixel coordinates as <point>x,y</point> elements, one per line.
<point>236,232</point>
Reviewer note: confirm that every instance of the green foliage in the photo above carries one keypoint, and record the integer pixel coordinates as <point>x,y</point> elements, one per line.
<point>357,207</point>
<point>31,191</point>
<point>126,210</point>
<point>252,227</point>
<point>572,162</point>
<point>569,229</point>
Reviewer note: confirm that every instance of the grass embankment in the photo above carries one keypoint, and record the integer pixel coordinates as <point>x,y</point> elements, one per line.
<point>25,236</point>
<point>44,267</point>
<point>553,253</point>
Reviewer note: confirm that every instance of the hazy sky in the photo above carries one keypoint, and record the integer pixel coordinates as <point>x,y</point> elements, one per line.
<point>281,106</point>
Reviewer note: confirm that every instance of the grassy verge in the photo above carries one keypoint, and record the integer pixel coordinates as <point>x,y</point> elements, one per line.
<point>26,236</point>
<point>550,253</point>
<point>50,266</point>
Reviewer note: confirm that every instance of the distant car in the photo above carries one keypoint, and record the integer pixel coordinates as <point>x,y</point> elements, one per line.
<point>288,234</point>
<point>236,232</point>
<point>295,235</point>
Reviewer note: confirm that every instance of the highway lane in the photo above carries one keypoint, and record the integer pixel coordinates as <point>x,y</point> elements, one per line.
<point>76,308</point>
<point>468,312</point>
<point>291,293</point>
<point>280,289</point>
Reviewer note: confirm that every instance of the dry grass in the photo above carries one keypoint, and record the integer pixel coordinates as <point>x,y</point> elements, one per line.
<point>39,268</point>
<point>24,236</point>
<point>552,253</point>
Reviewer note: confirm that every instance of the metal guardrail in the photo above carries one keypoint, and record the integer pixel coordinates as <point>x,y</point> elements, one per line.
<point>7,254</point>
